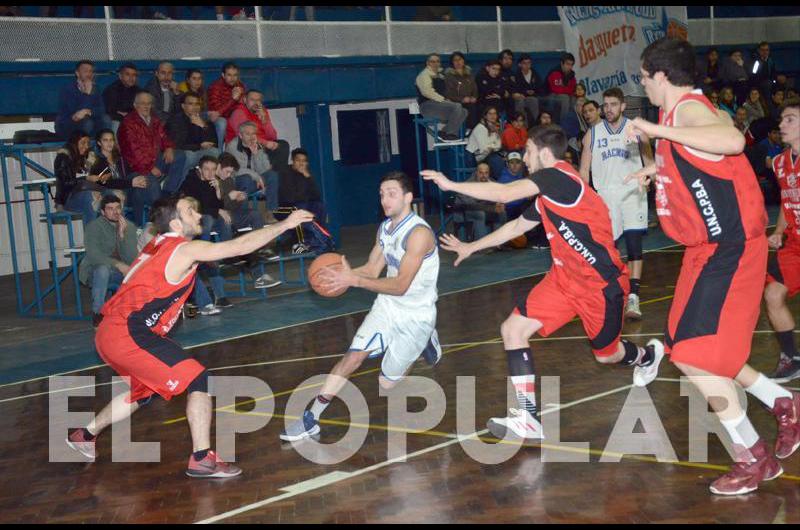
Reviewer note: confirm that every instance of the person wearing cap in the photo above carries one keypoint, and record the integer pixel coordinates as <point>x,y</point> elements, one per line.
<point>524,91</point>
<point>513,171</point>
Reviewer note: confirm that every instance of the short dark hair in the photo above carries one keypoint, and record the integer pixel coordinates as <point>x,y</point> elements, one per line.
<point>763,43</point>
<point>592,102</point>
<point>400,177</point>
<point>674,57</point>
<point>493,62</point>
<point>615,92</point>
<point>228,160</point>
<point>253,91</point>
<point>207,158</point>
<point>549,137</point>
<point>84,61</point>
<point>163,212</point>
<point>190,95</point>
<point>191,71</point>
<point>228,66</point>
<point>567,57</point>
<point>299,151</point>
<point>128,66</point>
<point>504,53</point>
<point>108,199</point>
<point>524,57</point>
<point>457,54</point>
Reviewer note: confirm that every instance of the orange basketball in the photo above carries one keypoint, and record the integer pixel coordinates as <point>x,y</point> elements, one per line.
<point>329,259</point>
<point>519,242</point>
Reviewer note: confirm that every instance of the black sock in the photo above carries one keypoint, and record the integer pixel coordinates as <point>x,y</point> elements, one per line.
<point>635,283</point>
<point>199,455</point>
<point>87,435</point>
<point>634,355</point>
<point>786,340</point>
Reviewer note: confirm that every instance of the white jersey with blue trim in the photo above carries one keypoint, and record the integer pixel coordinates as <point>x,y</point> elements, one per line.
<point>614,157</point>
<point>422,292</point>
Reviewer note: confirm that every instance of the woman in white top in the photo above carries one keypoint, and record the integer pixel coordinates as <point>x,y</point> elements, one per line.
<point>485,142</point>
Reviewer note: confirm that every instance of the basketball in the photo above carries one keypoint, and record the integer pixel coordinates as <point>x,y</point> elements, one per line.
<point>519,242</point>
<point>329,259</point>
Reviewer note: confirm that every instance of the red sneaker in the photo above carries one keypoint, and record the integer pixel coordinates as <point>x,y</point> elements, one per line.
<point>787,412</point>
<point>78,442</point>
<point>745,475</point>
<point>211,466</point>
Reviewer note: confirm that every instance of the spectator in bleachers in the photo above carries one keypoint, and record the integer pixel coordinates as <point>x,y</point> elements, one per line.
<point>485,142</point>
<point>713,97</point>
<point>755,106</point>
<point>791,93</point>
<point>708,71</point>
<point>224,95</point>
<point>110,242</point>
<point>763,73</point>
<point>191,134</point>
<point>515,135</point>
<point>71,169</point>
<point>591,114</point>
<point>252,109</point>
<point>561,85</point>
<point>255,172</point>
<point>298,189</point>
<point>235,200</point>
<point>513,171</point>
<point>118,96</point>
<point>164,90</point>
<point>134,192</point>
<point>146,147</point>
<point>203,184</point>
<point>572,122</point>
<point>545,118</point>
<point>482,214</point>
<point>193,84</point>
<point>782,83</point>
<point>80,104</point>
<point>727,101</point>
<point>525,90</point>
<point>740,120</point>
<point>460,87</point>
<point>776,101</point>
<point>431,91</point>
<point>506,58</point>
<point>491,89</point>
<point>733,73</point>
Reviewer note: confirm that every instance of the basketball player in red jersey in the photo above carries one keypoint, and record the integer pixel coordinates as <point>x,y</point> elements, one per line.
<point>132,335</point>
<point>588,277</point>
<point>709,200</point>
<point>783,268</point>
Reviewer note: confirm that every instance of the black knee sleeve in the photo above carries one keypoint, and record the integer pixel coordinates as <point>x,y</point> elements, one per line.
<point>200,383</point>
<point>631,353</point>
<point>633,245</point>
<point>520,362</point>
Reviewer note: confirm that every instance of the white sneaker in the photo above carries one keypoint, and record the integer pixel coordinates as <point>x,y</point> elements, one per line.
<point>209,310</point>
<point>266,281</point>
<point>644,375</point>
<point>521,424</point>
<point>632,310</point>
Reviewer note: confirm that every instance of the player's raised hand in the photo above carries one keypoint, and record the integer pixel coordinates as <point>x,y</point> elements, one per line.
<point>643,176</point>
<point>297,218</point>
<point>453,244</point>
<point>438,178</point>
<point>335,278</point>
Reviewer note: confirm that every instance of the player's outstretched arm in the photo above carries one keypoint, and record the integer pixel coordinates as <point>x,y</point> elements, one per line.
<point>507,232</point>
<point>419,244</point>
<point>374,265</point>
<point>194,251</point>
<point>487,191</point>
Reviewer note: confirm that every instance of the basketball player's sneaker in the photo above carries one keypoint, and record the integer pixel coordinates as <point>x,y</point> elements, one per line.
<point>787,370</point>
<point>211,466</point>
<point>520,423</point>
<point>305,427</point>
<point>787,412</point>
<point>433,351</point>
<point>644,375</point>
<point>632,310</point>
<point>752,466</point>
<point>78,442</point>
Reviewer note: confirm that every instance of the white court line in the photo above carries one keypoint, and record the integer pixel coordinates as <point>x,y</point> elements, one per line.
<point>339,476</point>
<point>246,335</point>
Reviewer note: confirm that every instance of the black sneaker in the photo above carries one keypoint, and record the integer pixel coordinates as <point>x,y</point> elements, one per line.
<point>787,370</point>
<point>448,138</point>
<point>96,319</point>
<point>223,302</point>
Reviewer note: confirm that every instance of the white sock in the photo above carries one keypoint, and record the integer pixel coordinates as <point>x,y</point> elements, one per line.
<point>741,431</point>
<point>767,391</point>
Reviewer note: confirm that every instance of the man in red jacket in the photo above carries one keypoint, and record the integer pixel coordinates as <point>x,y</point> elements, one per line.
<point>224,95</point>
<point>253,110</point>
<point>147,149</point>
<point>561,84</point>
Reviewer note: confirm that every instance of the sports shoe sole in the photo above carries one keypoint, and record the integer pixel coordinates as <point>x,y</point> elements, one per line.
<point>218,474</point>
<point>302,436</point>
<point>499,431</point>
<point>77,448</point>
<point>631,315</point>
<point>745,490</point>
<point>268,285</point>
<point>790,453</point>
<point>786,378</point>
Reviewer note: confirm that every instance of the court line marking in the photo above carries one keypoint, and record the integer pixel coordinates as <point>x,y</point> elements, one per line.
<point>319,482</point>
<point>247,335</point>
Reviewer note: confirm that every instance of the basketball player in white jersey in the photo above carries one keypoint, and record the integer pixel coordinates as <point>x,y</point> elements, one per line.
<point>401,324</point>
<point>611,156</point>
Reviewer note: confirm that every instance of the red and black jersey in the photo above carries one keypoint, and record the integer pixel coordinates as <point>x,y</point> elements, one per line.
<point>706,201</point>
<point>787,171</point>
<point>146,298</point>
<point>578,226</point>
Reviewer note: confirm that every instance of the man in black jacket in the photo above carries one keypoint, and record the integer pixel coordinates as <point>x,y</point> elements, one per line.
<point>297,189</point>
<point>491,87</point>
<point>524,92</point>
<point>118,96</point>
<point>191,133</point>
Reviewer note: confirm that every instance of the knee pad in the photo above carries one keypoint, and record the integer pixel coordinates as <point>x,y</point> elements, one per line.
<point>633,244</point>
<point>200,383</point>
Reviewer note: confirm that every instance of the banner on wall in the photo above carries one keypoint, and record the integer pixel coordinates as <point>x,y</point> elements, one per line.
<point>607,42</point>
